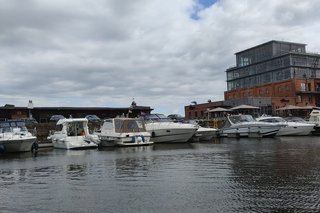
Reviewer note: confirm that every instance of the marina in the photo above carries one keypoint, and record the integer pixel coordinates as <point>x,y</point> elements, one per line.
<point>159,106</point>
<point>224,175</point>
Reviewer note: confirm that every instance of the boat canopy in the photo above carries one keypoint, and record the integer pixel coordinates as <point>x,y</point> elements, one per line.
<point>70,120</point>
<point>272,119</point>
<point>121,125</point>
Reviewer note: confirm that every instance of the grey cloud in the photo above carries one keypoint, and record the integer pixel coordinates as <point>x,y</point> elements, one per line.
<point>104,53</point>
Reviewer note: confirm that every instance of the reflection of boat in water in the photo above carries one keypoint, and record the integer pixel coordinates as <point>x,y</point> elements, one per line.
<point>246,126</point>
<point>163,129</point>
<point>173,146</point>
<point>123,132</point>
<point>125,149</point>
<point>289,127</point>
<point>14,137</point>
<point>73,133</point>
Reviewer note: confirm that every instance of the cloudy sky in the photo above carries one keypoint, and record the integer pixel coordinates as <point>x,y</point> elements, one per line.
<point>163,53</point>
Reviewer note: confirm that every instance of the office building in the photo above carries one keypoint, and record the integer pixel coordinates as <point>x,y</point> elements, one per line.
<point>273,75</point>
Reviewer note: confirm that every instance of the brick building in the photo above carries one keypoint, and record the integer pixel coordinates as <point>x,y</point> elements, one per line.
<point>273,75</point>
<point>198,111</point>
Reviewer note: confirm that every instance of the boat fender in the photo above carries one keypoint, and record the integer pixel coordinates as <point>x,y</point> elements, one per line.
<point>140,139</point>
<point>35,147</point>
<point>153,134</point>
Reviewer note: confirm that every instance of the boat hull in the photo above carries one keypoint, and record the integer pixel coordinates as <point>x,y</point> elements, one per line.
<point>74,142</point>
<point>125,140</point>
<point>295,130</point>
<point>171,135</point>
<point>250,131</point>
<point>18,145</point>
<point>204,134</point>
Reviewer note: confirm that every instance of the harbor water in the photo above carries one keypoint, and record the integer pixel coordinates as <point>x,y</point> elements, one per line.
<point>224,175</point>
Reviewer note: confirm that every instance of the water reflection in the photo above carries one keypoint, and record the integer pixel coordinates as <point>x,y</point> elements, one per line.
<point>269,172</point>
<point>172,146</point>
<point>75,172</point>
<point>225,175</point>
<point>18,155</point>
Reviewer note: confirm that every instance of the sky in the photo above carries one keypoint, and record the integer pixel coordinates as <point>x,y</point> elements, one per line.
<point>162,53</point>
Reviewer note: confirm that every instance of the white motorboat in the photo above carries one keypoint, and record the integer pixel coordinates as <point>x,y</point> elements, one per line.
<point>123,132</point>
<point>314,118</point>
<point>289,127</point>
<point>73,133</point>
<point>163,129</point>
<point>246,126</point>
<point>204,134</point>
<point>14,137</point>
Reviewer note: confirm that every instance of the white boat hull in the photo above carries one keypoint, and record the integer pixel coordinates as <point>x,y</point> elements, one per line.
<point>171,135</point>
<point>204,134</point>
<point>163,130</point>
<point>296,130</point>
<point>72,142</point>
<point>248,131</point>
<point>18,145</point>
<point>125,140</point>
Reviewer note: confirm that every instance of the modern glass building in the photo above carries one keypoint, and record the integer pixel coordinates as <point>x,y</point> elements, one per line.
<point>281,70</point>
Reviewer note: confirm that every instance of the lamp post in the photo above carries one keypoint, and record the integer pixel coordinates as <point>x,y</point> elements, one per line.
<point>30,107</point>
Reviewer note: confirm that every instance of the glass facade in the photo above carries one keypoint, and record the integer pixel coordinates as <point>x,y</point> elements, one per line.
<point>271,62</point>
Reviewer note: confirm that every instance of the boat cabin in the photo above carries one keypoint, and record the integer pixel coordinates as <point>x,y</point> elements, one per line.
<point>121,125</point>
<point>73,127</point>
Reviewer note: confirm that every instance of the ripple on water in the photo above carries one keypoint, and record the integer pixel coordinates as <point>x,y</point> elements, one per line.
<point>230,176</point>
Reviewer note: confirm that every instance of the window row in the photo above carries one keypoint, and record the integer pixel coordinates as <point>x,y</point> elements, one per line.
<point>264,78</point>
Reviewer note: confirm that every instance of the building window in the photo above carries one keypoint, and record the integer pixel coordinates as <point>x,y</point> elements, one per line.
<point>195,114</point>
<point>245,61</point>
<point>302,87</point>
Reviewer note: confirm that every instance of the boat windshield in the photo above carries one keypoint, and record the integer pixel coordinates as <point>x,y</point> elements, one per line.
<point>273,120</point>
<point>157,118</point>
<point>76,128</point>
<point>295,119</point>
<point>128,125</point>
<point>241,118</point>
<point>6,126</point>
